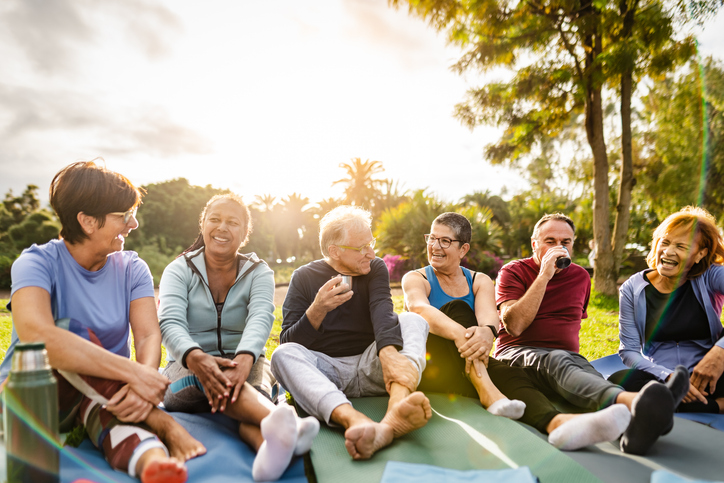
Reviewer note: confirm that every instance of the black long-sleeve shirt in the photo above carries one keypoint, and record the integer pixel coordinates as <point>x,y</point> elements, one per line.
<point>350,328</point>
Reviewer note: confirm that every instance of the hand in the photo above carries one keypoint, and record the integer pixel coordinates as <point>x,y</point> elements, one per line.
<point>148,383</point>
<point>708,371</point>
<point>694,395</point>
<point>548,263</point>
<point>476,344</point>
<point>209,371</point>
<point>128,406</point>
<point>327,299</point>
<point>398,369</point>
<point>238,376</point>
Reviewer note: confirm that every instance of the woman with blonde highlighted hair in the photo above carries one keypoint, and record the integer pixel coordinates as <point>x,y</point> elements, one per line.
<point>670,313</point>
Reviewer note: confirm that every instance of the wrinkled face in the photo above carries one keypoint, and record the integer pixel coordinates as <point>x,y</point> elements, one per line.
<point>552,233</point>
<point>439,257</point>
<point>676,253</point>
<point>222,228</point>
<point>353,262</point>
<point>114,232</point>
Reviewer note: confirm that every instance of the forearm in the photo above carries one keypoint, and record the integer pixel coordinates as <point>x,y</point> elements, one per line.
<point>440,324</point>
<point>518,316</point>
<point>68,352</point>
<point>148,350</point>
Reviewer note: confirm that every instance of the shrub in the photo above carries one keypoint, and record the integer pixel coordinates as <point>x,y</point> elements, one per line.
<point>483,261</point>
<point>396,265</point>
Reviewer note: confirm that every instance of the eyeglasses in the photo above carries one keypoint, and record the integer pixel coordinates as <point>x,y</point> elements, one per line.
<point>370,245</point>
<point>126,215</point>
<point>444,242</point>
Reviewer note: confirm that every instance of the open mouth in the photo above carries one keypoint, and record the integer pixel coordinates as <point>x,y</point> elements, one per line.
<point>220,239</point>
<point>667,262</point>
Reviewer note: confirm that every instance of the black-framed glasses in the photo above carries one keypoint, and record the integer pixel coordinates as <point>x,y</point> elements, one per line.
<point>126,214</point>
<point>444,242</point>
<point>370,245</point>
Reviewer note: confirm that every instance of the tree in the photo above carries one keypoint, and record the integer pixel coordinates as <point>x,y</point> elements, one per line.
<point>361,187</point>
<point>685,131</point>
<point>567,47</point>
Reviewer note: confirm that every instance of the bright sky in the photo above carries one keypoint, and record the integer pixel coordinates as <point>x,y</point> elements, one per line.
<point>258,97</point>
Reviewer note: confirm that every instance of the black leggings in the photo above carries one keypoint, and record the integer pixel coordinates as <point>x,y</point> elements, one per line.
<point>634,380</point>
<point>445,373</point>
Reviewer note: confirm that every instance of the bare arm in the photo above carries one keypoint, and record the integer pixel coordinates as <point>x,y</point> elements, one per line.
<point>33,321</point>
<point>517,315</point>
<point>146,332</point>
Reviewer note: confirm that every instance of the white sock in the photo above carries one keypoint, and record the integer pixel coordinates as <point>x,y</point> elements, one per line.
<point>587,429</point>
<point>508,409</point>
<point>307,429</point>
<point>279,430</point>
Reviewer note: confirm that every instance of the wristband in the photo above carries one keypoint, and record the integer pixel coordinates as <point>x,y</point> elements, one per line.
<point>494,329</point>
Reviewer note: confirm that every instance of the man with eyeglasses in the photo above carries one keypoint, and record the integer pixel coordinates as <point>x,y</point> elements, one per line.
<point>542,302</point>
<point>342,340</point>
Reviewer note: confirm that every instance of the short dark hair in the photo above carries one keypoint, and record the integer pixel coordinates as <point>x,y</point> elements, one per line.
<point>245,220</point>
<point>94,190</point>
<point>553,216</point>
<point>458,224</point>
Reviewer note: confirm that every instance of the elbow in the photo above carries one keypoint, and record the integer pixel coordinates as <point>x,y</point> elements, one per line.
<point>510,327</point>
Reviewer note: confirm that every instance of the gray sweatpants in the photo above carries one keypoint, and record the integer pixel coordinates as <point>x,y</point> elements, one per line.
<point>566,373</point>
<point>320,383</point>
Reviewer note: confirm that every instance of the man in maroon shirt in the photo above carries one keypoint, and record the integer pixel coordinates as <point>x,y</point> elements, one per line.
<point>541,307</point>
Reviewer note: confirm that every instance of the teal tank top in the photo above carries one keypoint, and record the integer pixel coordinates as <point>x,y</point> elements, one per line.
<point>438,297</point>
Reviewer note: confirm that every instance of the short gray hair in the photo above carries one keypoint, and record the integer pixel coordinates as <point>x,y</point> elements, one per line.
<point>549,217</point>
<point>335,225</point>
<point>458,224</point>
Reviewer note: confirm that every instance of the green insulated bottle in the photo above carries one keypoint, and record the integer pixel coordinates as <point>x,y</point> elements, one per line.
<point>30,400</point>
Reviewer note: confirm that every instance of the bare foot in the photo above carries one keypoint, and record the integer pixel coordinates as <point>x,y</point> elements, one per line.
<point>164,470</point>
<point>179,442</point>
<point>364,439</point>
<point>409,414</point>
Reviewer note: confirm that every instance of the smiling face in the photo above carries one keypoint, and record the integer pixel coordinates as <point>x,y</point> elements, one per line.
<point>552,233</point>
<point>112,235</point>
<point>676,253</point>
<point>222,228</point>
<point>353,262</point>
<point>448,258</point>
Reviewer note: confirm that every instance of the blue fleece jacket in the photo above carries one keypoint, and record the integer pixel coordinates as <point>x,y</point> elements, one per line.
<point>660,358</point>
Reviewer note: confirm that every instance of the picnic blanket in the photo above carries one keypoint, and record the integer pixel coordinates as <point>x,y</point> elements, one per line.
<point>227,460</point>
<point>461,435</point>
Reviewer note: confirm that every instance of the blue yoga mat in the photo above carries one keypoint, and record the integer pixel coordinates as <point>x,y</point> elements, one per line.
<point>228,459</point>
<point>613,363</point>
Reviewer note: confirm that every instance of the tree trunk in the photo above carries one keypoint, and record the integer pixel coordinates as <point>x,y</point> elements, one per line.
<point>604,279</point>
<point>627,181</point>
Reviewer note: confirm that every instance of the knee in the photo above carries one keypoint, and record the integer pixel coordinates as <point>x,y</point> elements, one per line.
<point>286,354</point>
<point>415,323</point>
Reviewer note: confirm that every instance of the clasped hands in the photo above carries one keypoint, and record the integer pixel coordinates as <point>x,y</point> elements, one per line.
<point>221,378</point>
<point>705,375</point>
<point>474,344</point>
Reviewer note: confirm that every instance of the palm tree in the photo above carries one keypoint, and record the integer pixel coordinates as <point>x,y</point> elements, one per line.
<point>361,189</point>
<point>264,202</point>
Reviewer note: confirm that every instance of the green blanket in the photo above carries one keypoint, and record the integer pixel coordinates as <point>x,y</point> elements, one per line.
<point>460,435</point>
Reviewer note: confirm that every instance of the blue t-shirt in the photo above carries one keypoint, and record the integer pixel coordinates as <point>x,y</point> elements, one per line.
<point>101,300</point>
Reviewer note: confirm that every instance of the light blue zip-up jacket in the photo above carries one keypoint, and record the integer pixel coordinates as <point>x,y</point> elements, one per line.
<point>188,316</point>
<point>660,358</point>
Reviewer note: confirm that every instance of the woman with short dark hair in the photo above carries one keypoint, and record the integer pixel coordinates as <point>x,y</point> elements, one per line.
<point>83,296</point>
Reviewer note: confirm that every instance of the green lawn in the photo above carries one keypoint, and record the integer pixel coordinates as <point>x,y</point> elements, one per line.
<point>599,332</point>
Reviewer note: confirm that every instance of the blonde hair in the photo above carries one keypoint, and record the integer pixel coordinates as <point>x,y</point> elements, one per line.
<point>698,222</point>
<point>335,225</point>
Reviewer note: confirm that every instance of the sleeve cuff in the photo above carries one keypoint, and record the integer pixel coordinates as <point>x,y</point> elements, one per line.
<point>253,356</point>
<point>183,357</point>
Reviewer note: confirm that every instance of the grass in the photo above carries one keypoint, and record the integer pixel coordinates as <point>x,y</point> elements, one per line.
<point>599,332</point>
